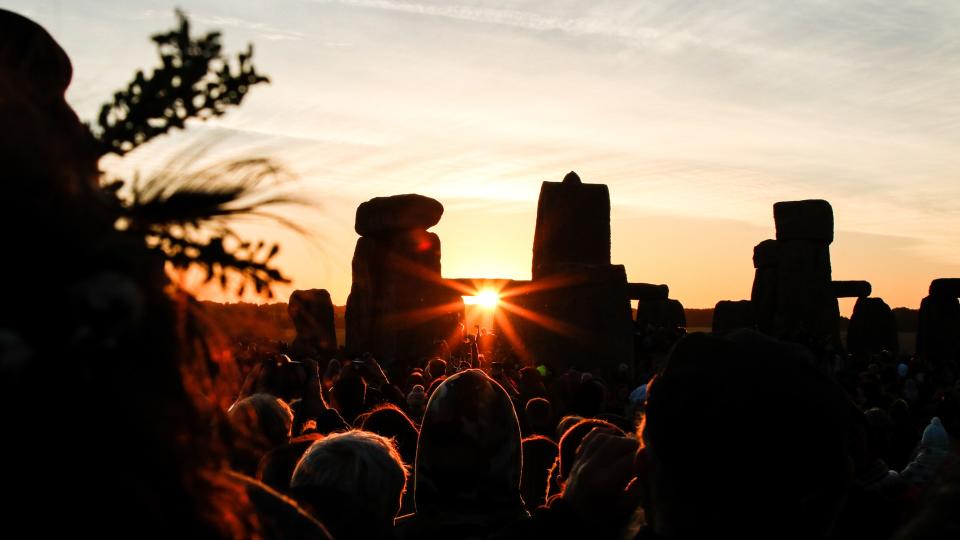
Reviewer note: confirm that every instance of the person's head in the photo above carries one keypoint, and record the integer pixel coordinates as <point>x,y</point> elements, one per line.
<point>434,385</point>
<point>589,397</point>
<point>436,368</point>
<point>743,437</point>
<point>566,423</point>
<point>415,378</point>
<point>539,415</point>
<point>259,423</point>
<point>539,454</point>
<point>417,401</point>
<point>531,380</point>
<point>572,438</point>
<point>282,377</point>
<point>389,421</point>
<point>352,482</point>
<point>934,436</point>
<point>276,467</point>
<point>349,395</point>
<point>468,455</point>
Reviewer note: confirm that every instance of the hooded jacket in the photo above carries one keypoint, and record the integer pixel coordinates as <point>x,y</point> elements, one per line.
<point>467,472</point>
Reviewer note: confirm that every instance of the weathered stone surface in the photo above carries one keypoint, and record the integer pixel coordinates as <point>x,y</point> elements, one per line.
<point>765,254</point>
<point>946,287</point>
<point>938,334</point>
<point>396,213</point>
<point>398,304</point>
<point>732,314</point>
<point>873,328</point>
<point>851,289</point>
<point>666,313</point>
<point>647,291</point>
<point>804,220</point>
<point>311,311</point>
<point>585,323</point>
<point>806,307</point>
<point>763,295</point>
<point>573,225</point>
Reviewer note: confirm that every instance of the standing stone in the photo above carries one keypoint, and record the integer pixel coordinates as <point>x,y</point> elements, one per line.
<point>586,323</point>
<point>873,328</point>
<point>732,314</point>
<point>938,333</point>
<point>806,306</point>
<point>945,287</point>
<point>398,304</point>
<point>311,312</point>
<point>573,225</point>
<point>665,313</point>
<point>763,296</point>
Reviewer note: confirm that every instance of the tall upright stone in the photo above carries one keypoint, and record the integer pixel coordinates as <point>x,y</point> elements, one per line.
<point>763,296</point>
<point>873,328</point>
<point>311,312</point>
<point>938,333</point>
<point>573,225</point>
<point>585,323</point>
<point>398,304</point>
<point>806,306</point>
<point>578,309</point>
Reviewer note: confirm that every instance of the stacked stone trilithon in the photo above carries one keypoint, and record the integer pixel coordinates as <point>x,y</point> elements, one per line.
<point>806,306</point>
<point>398,305</point>
<point>312,314</point>
<point>938,334</point>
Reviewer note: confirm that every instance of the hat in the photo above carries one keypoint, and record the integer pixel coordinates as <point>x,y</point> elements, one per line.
<point>639,394</point>
<point>934,436</point>
<point>417,396</point>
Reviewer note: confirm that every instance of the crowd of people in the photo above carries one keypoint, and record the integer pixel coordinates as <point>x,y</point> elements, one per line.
<point>738,435</point>
<point>121,413</point>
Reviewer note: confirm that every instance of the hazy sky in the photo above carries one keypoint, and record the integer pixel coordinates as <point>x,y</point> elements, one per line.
<point>698,115</point>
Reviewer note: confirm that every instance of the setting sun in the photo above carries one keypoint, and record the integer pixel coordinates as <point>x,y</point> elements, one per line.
<point>486,299</point>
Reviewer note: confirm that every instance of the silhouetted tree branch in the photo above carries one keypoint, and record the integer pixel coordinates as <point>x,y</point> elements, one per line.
<point>195,80</point>
<point>180,212</point>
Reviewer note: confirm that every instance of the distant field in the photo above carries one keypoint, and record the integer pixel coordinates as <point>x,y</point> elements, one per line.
<point>270,322</point>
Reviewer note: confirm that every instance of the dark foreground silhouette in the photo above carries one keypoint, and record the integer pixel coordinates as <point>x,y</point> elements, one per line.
<point>124,415</point>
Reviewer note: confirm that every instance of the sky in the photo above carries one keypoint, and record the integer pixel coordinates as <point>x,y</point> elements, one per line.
<point>697,115</point>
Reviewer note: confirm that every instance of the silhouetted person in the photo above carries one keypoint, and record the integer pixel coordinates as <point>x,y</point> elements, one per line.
<point>539,454</point>
<point>933,453</point>
<point>276,466</point>
<point>349,395</point>
<point>391,422</point>
<point>568,446</point>
<point>90,327</point>
<point>467,473</point>
<point>259,423</point>
<point>352,482</point>
<point>743,438</point>
<point>539,417</point>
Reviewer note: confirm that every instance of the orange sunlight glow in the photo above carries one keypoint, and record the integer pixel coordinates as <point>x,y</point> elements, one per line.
<point>486,299</point>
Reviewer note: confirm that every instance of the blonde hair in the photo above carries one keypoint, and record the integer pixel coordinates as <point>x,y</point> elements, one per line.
<point>361,465</point>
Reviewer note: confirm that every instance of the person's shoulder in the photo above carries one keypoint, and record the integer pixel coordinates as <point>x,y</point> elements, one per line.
<point>280,517</point>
